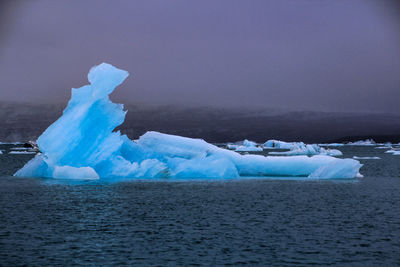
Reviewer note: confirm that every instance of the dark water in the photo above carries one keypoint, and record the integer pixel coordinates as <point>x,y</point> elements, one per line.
<point>255,222</point>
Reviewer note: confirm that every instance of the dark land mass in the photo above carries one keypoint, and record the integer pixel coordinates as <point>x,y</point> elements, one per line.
<point>23,122</point>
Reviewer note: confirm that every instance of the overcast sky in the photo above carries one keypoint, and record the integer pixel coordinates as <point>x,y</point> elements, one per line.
<point>313,54</point>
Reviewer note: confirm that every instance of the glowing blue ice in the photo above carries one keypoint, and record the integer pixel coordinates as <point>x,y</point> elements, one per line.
<point>81,144</point>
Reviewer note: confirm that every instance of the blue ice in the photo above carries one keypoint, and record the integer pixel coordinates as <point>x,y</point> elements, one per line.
<point>82,144</point>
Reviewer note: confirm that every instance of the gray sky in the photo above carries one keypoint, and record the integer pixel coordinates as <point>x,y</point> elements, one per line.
<point>334,55</point>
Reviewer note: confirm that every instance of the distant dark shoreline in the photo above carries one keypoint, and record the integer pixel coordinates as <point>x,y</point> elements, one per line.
<point>23,122</point>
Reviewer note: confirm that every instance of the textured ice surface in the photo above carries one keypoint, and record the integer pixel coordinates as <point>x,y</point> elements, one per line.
<point>245,146</point>
<point>68,172</point>
<point>81,144</point>
<point>271,144</point>
<point>309,150</point>
<point>333,169</point>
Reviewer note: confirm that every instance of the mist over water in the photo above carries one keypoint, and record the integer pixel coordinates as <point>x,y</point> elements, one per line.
<point>316,55</point>
<point>24,122</point>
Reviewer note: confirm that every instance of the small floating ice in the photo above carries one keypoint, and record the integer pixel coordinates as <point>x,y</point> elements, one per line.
<point>309,150</point>
<point>393,151</point>
<point>368,142</point>
<point>247,146</point>
<point>332,144</point>
<point>300,148</point>
<point>276,144</point>
<point>355,157</point>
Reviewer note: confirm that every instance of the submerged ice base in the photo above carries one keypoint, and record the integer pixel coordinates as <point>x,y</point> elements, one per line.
<point>81,144</point>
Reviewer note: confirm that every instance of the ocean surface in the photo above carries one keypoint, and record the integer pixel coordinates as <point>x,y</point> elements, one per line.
<point>261,222</point>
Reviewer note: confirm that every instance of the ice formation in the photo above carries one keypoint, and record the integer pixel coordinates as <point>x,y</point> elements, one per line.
<point>299,148</point>
<point>276,144</point>
<point>332,144</point>
<point>383,147</point>
<point>368,142</point>
<point>81,144</point>
<point>355,157</point>
<point>246,146</point>
<point>393,151</point>
<point>335,170</point>
<point>309,150</point>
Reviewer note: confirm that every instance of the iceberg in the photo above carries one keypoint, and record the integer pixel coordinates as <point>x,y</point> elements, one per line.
<point>355,157</point>
<point>332,144</point>
<point>246,146</point>
<point>334,169</point>
<point>309,150</point>
<point>276,144</point>
<point>393,151</point>
<point>368,142</point>
<point>383,147</point>
<point>82,144</point>
<point>232,146</point>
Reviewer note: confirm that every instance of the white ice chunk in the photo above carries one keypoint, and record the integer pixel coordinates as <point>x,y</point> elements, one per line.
<point>393,151</point>
<point>355,157</point>
<point>248,146</point>
<point>347,167</point>
<point>309,150</point>
<point>332,144</point>
<point>244,146</point>
<point>232,146</point>
<point>68,172</point>
<point>368,142</point>
<point>270,144</point>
